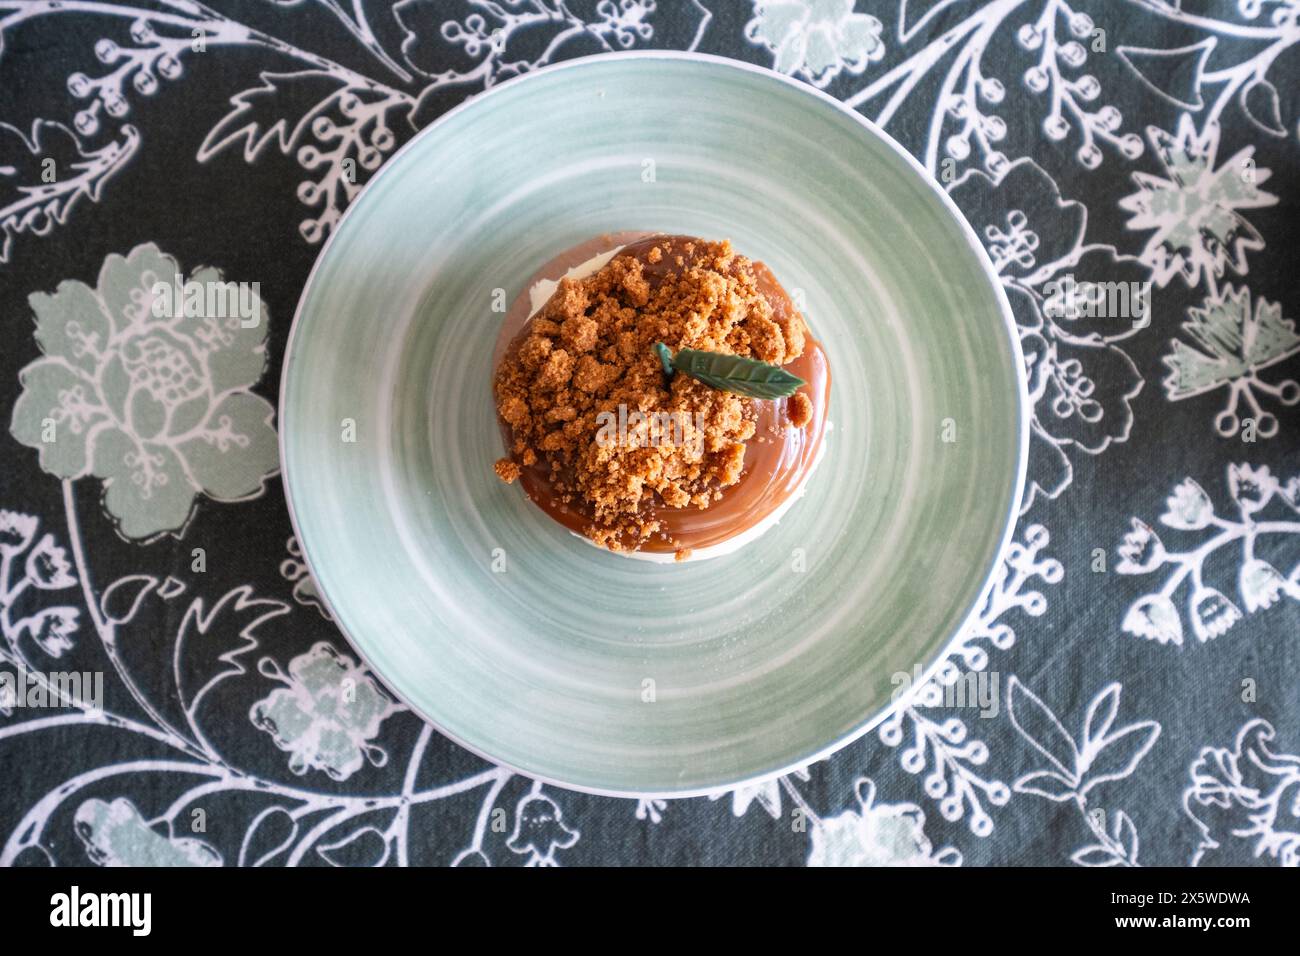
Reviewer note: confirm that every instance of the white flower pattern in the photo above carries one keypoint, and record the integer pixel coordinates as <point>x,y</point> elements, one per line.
<point>816,39</point>
<point>876,834</point>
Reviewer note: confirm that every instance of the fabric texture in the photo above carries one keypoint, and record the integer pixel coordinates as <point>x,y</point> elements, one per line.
<point>1132,684</point>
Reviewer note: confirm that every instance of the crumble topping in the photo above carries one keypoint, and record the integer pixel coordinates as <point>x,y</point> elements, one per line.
<point>800,410</point>
<point>507,470</point>
<point>586,361</point>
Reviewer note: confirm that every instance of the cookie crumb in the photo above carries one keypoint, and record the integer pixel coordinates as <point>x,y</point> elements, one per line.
<point>799,410</point>
<point>682,554</point>
<point>507,470</point>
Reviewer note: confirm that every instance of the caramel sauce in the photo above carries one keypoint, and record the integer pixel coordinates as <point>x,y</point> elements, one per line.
<point>776,458</point>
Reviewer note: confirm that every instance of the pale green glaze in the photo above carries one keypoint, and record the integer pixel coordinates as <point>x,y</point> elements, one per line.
<point>756,667</point>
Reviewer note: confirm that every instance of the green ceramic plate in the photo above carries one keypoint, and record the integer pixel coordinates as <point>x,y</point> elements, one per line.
<point>577,666</point>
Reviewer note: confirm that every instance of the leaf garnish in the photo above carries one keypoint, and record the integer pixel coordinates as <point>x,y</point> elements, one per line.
<point>731,373</point>
<point>665,359</point>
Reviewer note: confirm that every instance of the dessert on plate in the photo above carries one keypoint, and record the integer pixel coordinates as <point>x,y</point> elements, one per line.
<point>660,395</point>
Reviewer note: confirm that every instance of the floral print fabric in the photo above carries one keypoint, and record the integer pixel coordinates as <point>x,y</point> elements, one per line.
<point>1126,694</point>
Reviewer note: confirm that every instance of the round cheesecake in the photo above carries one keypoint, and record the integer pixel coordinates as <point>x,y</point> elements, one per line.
<point>628,453</point>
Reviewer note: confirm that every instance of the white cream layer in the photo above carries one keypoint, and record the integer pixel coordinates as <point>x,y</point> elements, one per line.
<point>543,289</point>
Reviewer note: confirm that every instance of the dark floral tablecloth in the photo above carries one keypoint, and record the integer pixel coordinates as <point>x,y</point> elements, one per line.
<point>172,690</point>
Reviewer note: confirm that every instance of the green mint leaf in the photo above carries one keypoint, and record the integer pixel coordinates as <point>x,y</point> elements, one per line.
<point>733,373</point>
<point>665,359</point>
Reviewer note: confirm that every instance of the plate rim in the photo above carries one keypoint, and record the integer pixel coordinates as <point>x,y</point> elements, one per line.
<point>1009,524</point>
